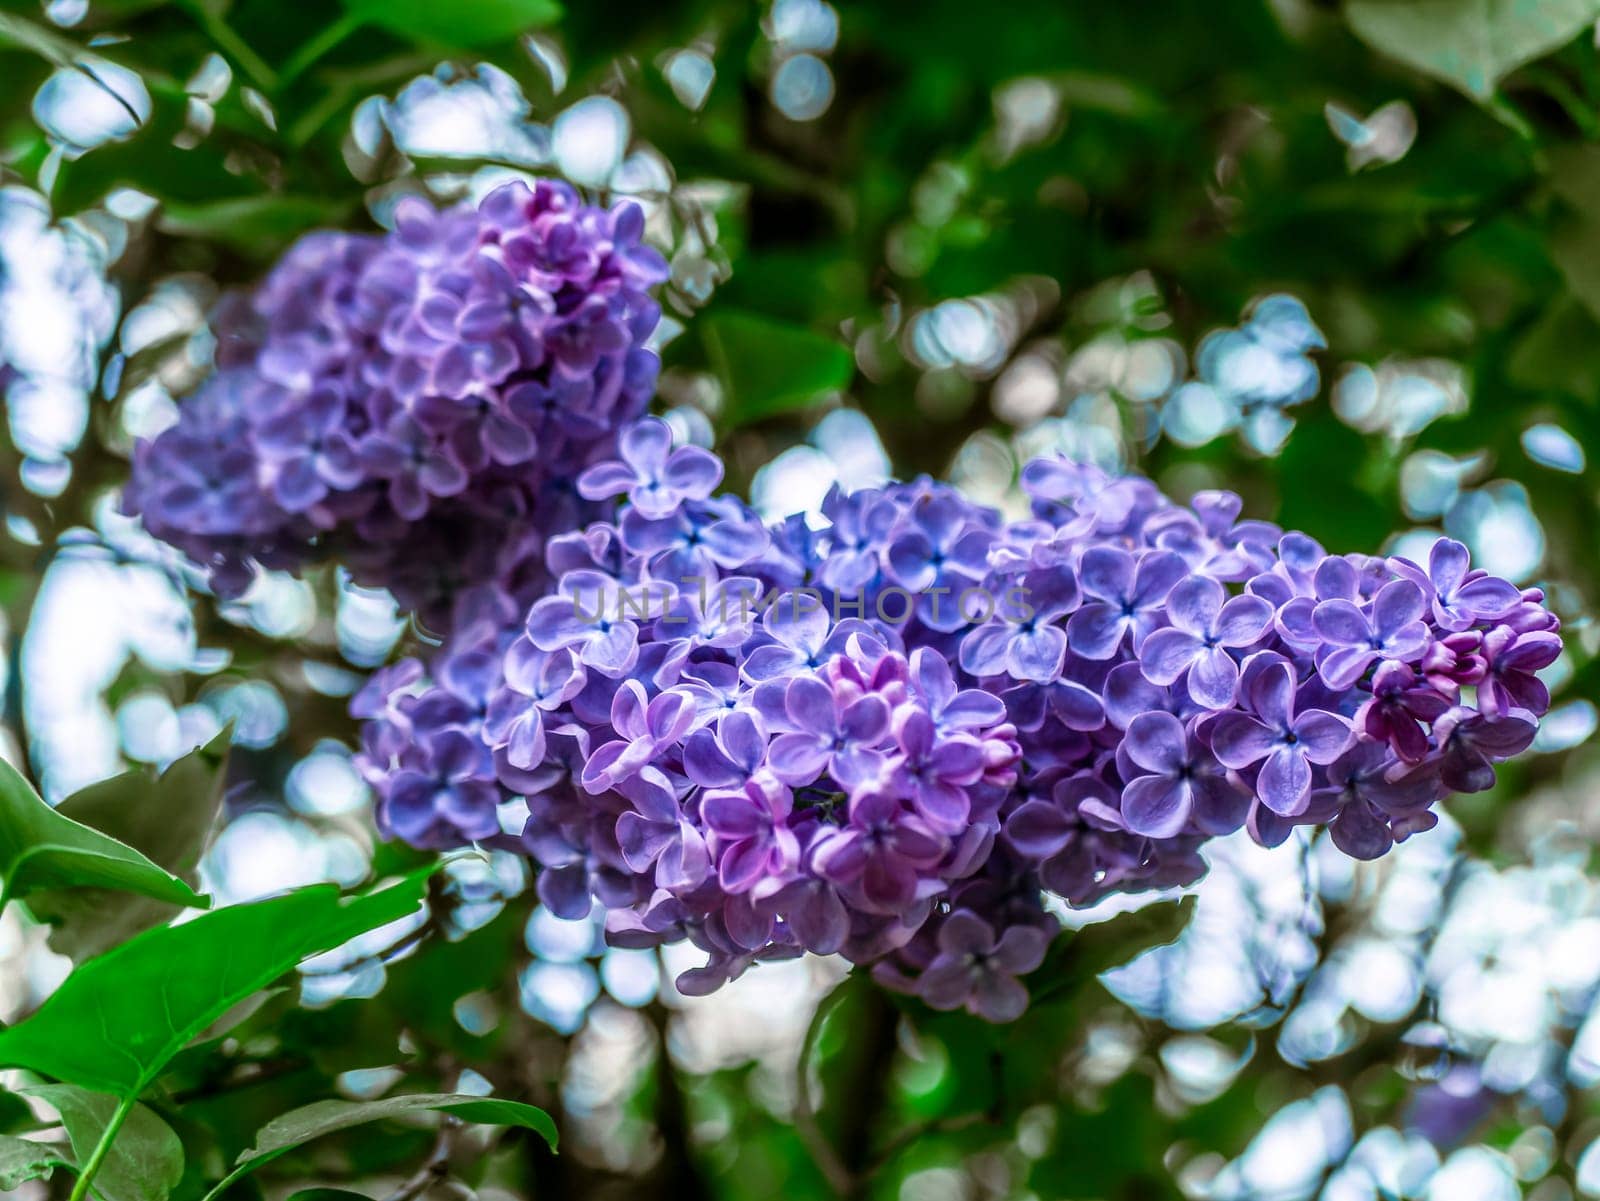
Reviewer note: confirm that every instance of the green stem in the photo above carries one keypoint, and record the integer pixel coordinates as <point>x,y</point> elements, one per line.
<point>232,45</point>
<point>316,47</point>
<point>230,1179</point>
<point>80,1188</point>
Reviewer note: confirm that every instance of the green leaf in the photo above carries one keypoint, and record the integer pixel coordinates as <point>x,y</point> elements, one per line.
<point>463,23</point>
<point>768,367</point>
<point>36,39</point>
<point>1471,44</point>
<point>116,1021</point>
<point>257,225</point>
<point>21,1160</point>
<point>150,161</point>
<point>326,1117</point>
<point>42,849</point>
<point>145,1161</point>
<point>167,817</point>
<point>327,1194</point>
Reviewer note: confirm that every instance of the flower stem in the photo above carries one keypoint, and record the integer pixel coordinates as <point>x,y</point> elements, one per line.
<point>80,1188</point>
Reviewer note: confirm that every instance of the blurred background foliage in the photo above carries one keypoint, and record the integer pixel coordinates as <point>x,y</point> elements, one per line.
<point>1341,258</point>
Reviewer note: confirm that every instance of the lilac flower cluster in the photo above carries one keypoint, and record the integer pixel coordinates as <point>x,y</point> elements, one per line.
<point>400,401</point>
<point>891,737</point>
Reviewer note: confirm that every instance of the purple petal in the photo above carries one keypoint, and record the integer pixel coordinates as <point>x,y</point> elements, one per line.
<point>1359,832</point>
<point>1213,678</point>
<point>641,840</point>
<point>1243,620</point>
<point>605,480</point>
<point>1447,565</point>
<point>731,815</point>
<point>797,758</point>
<point>800,626</point>
<point>1106,572</point>
<point>1095,631</point>
<point>1156,806</point>
<point>1167,654</point>
<point>1193,605</point>
<point>1341,623</point>
<point>1157,742</point>
<point>645,445</point>
<point>1322,736</point>
<point>810,706</point>
<point>984,650</point>
<point>965,933</point>
<point>1037,654</point>
<point>1159,572</point>
<point>1284,784</point>
<point>1238,740</point>
<point>1039,830</point>
<point>692,471</point>
<point>1398,604</point>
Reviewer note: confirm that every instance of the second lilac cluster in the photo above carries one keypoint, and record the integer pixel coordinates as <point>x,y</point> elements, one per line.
<point>400,401</point>
<point>891,737</point>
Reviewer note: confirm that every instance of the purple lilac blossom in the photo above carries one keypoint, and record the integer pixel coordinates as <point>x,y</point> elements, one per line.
<point>397,401</point>
<point>782,747</point>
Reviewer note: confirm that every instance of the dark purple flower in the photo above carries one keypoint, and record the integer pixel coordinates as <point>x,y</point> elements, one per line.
<point>1461,597</point>
<point>729,754</point>
<point>1472,743</point>
<point>753,839</point>
<point>655,834</point>
<point>881,854</point>
<point>1129,594</point>
<point>1400,702</point>
<point>1366,791</point>
<point>1355,640</point>
<point>1020,638</point>
<point>832,734</point>
<point>1129,693</point>
<point>1510,660</point>
<point>940,553</point>
<point>862,522</point>
<point>1205,627</point>
<point>978,970</point>
<point>1289,742</point>
<point>644,726</point>
<point>444,794</point>
<point>656,478</point>
<point>935,770</point>
<point>536,683</point>
<point>1185,782</point>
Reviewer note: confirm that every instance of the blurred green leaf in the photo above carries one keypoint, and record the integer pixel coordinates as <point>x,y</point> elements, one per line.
<point>1471,44</point>
<point>43,849</point>
<point>768,367</point>
<point>167,817</point>
<point>116,1021</point>
<point>145,1161</point>
<point>1079,956</point>
<point>460,23</point>
<point>22,1160</point>
<point>151,163</point>
<point>326,1117</point>
<point>16,1115</point>
<point>327,1194</point>
<point>1556,353</point>
<point>36,39</point>
<point>257,225</point>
